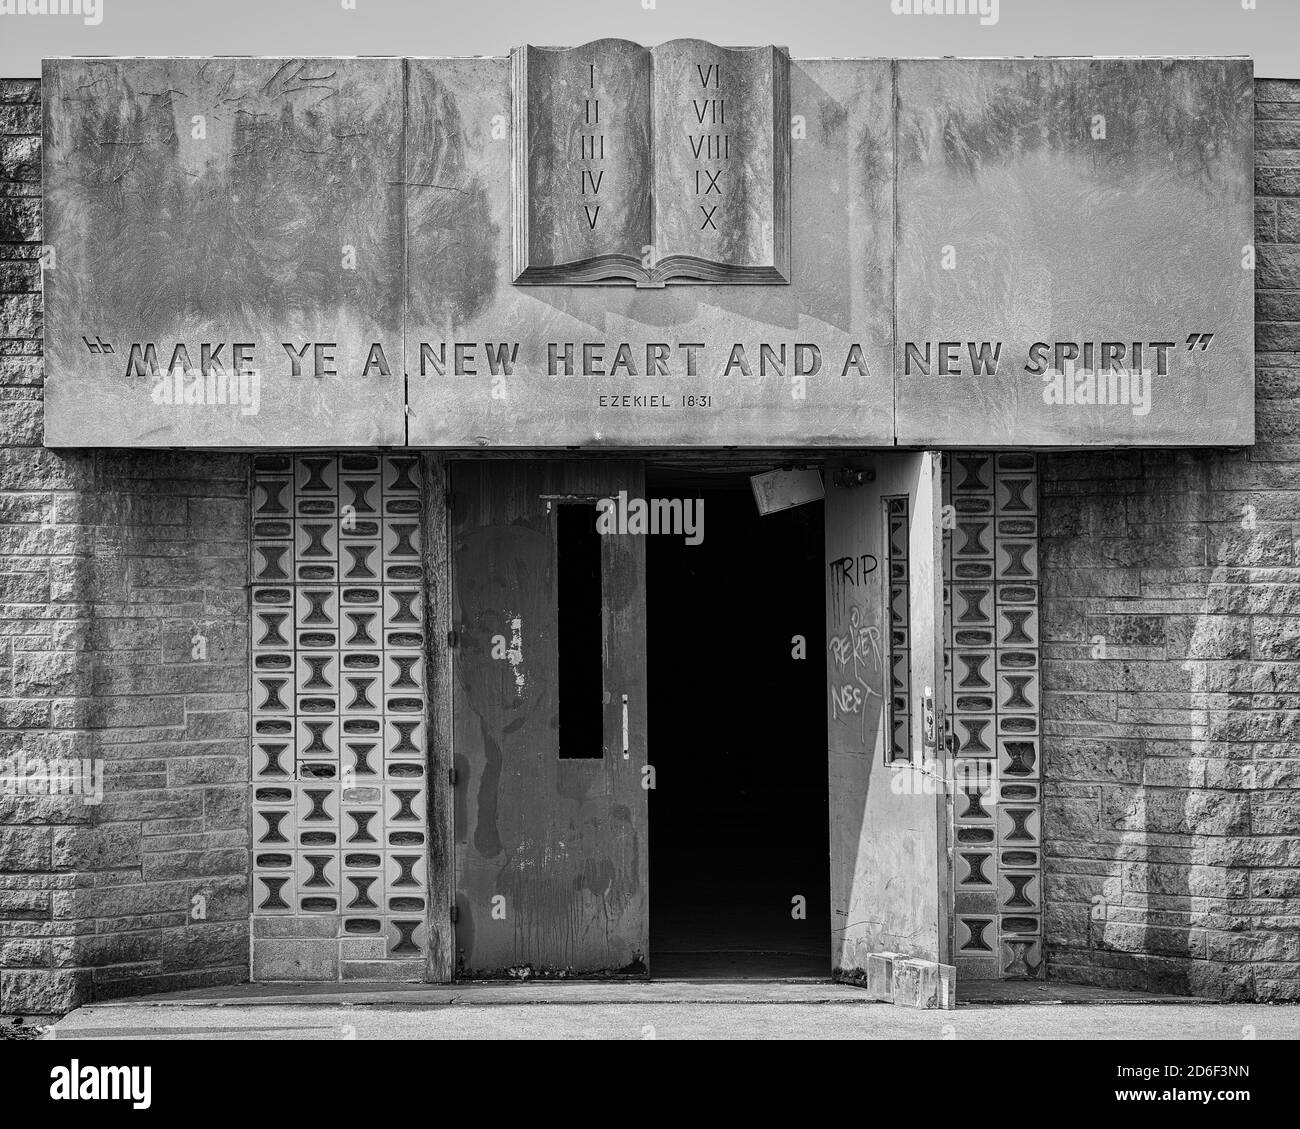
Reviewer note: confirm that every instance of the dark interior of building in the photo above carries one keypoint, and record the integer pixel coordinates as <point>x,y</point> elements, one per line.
<point>737,737</point>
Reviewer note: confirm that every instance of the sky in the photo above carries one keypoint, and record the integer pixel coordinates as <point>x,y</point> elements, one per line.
<point>1266,30</point>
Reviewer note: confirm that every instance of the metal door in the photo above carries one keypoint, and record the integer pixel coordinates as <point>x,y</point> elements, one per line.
<point>550,828</point>
<point>884,621</point>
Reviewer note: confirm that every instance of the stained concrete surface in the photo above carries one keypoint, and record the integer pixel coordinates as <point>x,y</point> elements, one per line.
<point>708,1009</point>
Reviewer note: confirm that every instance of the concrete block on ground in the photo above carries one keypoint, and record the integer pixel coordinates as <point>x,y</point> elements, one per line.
<point>924,984</point>
<point>880,975</point>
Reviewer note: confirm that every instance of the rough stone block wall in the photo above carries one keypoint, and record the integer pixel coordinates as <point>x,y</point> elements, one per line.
<point>1171,674</point>
<point>123,643</point>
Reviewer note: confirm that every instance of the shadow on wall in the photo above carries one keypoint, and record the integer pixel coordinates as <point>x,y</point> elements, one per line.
<point>1162,706</point>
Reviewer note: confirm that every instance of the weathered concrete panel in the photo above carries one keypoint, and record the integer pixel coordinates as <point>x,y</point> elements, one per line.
<point>1058,211</point>
<point>1018,223</point>
<point>459,289</point>
<point>232,201</point>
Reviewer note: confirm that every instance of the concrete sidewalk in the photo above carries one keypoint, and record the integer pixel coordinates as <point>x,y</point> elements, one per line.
<point>710,1009</point>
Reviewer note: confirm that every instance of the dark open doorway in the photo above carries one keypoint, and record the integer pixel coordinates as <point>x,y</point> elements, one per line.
<point>737,738</point>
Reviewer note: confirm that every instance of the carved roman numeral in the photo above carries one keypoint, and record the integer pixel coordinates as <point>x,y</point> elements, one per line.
<point>712,185</point>
<point>592,217</point>
<point>708,217</point>
<point>712,145</point>
<point>715,109</point>
<point>593,180</point>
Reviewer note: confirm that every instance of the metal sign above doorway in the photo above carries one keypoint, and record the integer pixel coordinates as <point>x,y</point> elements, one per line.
<point>779,490</point>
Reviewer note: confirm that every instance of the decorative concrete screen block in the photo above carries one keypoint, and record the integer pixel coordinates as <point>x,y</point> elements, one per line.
<point>992,712</point>
<point>226,241</point>
<point>994,701</point>
<point>900,682</point>
<point>340,872</point>
<point>1094,216</point>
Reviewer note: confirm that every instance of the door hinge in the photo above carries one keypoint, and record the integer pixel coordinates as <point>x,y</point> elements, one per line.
<point>455,914</point>
<point>451,777</point>
<point>453,639</point>
<point>449,498</point>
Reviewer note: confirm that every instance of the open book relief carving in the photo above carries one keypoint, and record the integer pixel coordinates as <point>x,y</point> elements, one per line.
<point>651,165</point>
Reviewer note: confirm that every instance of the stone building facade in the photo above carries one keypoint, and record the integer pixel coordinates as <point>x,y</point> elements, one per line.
<point>129,557</point>
<point>1170,674</point>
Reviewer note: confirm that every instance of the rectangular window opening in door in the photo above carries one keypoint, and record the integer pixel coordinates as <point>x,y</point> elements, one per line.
<point>580,632</point>
<point>736,648</point>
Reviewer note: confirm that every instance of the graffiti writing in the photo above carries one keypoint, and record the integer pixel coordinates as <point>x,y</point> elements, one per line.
<point>846,574</point>
<point>858,672</point>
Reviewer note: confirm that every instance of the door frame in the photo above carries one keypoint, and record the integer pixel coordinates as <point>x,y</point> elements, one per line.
<point>586,479</point>
<point>441,960</point>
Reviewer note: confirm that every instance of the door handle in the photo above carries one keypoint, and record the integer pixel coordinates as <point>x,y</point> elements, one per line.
<point>625,743</point>
<point>929,722</point>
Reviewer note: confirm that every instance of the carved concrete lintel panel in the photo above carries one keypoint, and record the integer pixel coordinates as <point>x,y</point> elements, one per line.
<point>289,253</point>
<point>204,216</point>
<point>1083,202</point>
<point>704,365</point>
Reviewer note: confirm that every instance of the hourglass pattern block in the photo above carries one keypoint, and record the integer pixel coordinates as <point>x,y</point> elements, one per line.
<point>992,727</point>
<point>339,788</point>
<point>900,644</point>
